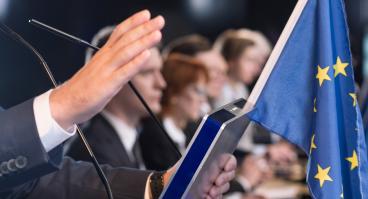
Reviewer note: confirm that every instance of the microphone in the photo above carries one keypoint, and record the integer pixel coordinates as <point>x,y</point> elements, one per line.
<point>84,43</point>
<point>16,37</point>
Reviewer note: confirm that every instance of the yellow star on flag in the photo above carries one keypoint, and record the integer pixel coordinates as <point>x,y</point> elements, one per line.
<point>340,67</point>
<point>353,160</point>
<point>322,175</point>
<point>322,74</point>
<point>314,107</point>
<point>313,145</point>
<point>353,95</point>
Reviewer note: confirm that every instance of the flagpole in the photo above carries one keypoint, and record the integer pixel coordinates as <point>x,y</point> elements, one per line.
<point>252,99</point>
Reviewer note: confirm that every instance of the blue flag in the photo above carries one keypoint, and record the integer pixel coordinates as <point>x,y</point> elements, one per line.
<point>309,99</point>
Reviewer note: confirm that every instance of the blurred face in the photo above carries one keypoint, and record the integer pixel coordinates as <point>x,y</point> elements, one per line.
<point>248,66</point>
<point>149,83</point>
<point>190,100</point>
<point>217,69</point>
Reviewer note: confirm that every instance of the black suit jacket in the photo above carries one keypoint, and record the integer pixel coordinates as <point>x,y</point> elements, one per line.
<point>62,177</point>
<point>157,152</point>
<point>22,155</point>
<point>105,143</point>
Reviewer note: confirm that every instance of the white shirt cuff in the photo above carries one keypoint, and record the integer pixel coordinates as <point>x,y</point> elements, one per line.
<point>50,132</point>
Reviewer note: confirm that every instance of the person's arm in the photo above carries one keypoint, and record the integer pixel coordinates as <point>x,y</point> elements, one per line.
<point>50,132</point>
<point>57,111</point>
<point>122,57</point>
<point>23,155</point>
<point>77,100</point>
<point>77,179</point>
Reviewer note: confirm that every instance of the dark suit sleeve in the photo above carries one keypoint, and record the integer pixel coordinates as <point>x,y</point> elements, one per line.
<point>22,155</point>
<point>78,179</point>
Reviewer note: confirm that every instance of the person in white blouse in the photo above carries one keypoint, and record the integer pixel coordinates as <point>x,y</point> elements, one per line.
<point>33,131</point>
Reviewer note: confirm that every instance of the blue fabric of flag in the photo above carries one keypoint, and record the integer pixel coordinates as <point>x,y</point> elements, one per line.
<point>309,99</point>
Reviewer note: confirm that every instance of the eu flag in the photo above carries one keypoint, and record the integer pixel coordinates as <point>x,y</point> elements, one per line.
<point>309,99</point>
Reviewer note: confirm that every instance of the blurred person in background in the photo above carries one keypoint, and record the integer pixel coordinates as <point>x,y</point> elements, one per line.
<point>261,48</point>
<point>113,134</point>
<point>200,48</point>
<point>246,52</point>
<point>242,69</point>
<point>185,93</point>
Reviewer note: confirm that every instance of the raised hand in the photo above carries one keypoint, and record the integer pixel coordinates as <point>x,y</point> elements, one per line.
<point>94,85</point>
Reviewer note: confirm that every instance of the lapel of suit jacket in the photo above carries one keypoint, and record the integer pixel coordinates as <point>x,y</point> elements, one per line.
<point>116,146</point>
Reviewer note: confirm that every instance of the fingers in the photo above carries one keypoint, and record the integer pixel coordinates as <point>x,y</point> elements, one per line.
<point>226,162</point>
<point>148,27</point>
<point>221,184</point>
<point>126,72</point>
<point>102,77</point>
<point>230,164</point>
<point>123,59</point>
<point>224,178</point>
<point>132,43</point>
<point>218,191</point>
<point>128,24</point>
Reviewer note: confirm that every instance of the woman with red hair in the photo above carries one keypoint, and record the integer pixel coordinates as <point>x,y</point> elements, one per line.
<point>182,100</point>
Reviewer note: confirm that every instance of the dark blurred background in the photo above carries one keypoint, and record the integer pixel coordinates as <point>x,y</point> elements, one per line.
<point>22,76</point>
